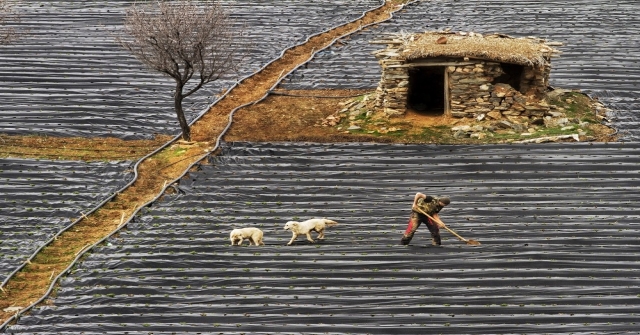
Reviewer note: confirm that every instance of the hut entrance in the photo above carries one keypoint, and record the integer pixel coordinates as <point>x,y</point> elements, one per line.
<point>512,75</point>
<point>427,89</point>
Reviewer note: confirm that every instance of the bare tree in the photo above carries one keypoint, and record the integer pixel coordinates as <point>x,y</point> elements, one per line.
<point>183,39</point>
<point>7,34</point>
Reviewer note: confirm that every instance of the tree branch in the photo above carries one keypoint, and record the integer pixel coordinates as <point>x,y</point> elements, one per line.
<point>182,39</point>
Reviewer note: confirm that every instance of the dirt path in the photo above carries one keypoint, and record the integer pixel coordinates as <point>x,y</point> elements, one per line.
<point>33,281</point>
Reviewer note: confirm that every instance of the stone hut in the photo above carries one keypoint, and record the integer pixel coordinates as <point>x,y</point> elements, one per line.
<point>464,74</point>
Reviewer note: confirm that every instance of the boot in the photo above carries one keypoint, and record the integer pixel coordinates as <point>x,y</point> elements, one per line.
<point>436,240</point>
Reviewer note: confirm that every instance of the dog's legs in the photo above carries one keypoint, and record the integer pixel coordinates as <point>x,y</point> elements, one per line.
<point>232,241</point>
<point>320,234</point>
<point>293,238</point>
<point>309,238</point>
<point>241,240</point>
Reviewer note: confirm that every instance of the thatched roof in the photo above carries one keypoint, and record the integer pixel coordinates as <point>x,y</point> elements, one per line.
<point>496,47</point>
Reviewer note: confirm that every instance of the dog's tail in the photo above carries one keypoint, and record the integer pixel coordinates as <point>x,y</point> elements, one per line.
<point>329,223</point>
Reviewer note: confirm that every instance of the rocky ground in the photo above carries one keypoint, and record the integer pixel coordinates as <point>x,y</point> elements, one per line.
<point>322,116</point>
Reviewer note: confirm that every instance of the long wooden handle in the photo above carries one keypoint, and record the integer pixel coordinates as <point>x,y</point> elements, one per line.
<point>443,225</point>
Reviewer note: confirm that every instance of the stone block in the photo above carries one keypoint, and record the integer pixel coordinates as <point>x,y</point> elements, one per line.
<point>503,124</point>
<point>477,81</point>
<point>391,112</point>
<point>494,114</point>
<point>511,113</point>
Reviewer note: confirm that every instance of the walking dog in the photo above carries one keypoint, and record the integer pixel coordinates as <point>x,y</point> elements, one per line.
<point>254,235</point>
<point>306,227</point>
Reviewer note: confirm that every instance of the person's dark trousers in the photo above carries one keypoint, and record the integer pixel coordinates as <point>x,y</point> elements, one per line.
<point>414,222</point>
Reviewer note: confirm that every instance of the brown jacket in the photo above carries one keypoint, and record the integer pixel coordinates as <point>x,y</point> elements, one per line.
<point>429,205</point>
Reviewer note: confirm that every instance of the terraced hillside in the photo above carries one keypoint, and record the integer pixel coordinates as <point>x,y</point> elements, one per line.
<point>558,223</point>
<point>558,226</point>
<point>40,198</point>
<point>67,76</point>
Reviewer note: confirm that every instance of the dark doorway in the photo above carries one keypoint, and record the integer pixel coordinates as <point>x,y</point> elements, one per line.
<point>426,89</point>
<point>512,76</point>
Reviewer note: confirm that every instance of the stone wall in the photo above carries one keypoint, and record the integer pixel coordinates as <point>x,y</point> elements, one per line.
<point>392,91</point>
<point>470,88</point>
<point>535,81</point>
<point>473,92</point>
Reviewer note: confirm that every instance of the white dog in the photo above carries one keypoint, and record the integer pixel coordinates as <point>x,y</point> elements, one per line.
<point>306,227</point>
<point>252,234</point>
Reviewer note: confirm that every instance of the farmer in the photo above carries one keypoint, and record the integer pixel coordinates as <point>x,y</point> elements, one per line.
<point>431,206</point>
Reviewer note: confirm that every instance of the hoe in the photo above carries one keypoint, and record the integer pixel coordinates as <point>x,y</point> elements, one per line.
<point>469,242</point>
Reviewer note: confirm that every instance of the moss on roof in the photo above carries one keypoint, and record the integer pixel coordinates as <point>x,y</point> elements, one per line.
<point>496,47</point>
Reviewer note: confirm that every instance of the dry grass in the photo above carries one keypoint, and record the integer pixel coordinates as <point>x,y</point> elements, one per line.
<point>502,48</point>
<point>76,148</point>
<point>293,118</point>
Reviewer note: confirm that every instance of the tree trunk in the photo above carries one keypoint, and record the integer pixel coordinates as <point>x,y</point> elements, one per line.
<point>177,100</point>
